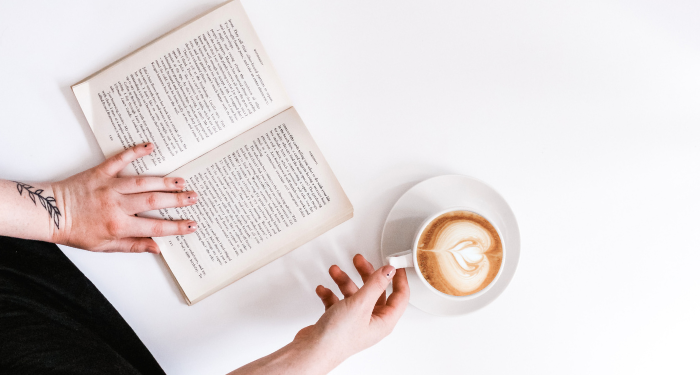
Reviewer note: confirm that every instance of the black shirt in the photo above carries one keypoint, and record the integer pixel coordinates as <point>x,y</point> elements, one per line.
<point>54,321</point>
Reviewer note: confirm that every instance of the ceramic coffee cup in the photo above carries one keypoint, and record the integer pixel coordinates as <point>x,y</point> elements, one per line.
<point>466,247</point>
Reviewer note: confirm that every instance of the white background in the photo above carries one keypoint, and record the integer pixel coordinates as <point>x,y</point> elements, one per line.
<point>584,115</point>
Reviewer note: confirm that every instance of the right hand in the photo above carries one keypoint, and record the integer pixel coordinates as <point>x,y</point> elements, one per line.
<point>99,208</point>
<point>363,317</point>
<point>348,326</point>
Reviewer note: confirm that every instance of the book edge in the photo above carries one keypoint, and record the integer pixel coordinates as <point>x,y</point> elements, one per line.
<point>347,215</point>
<point>170,271</point>
<point>151,43</point>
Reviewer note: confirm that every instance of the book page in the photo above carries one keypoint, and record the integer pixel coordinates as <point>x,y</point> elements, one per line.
<point>261,195</point>
<point>187,92</point>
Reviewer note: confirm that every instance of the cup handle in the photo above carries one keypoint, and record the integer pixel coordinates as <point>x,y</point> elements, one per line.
<point>403,259</point>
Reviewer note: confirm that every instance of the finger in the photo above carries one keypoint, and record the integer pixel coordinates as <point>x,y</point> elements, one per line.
<point>389,314</point>
<point>144,227</point>
<point>116,163</point>
<point>374,287</point>
<point>131,185</point>
<point>398,300</point>
<point>385,317</point>
<point>135,245</point>
<point>327,296</point>
<point>365,269</point>
<point>345,283</point>
<point>135,203</point>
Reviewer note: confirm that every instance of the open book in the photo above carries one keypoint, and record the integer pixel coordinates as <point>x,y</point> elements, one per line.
<point>206,95</point>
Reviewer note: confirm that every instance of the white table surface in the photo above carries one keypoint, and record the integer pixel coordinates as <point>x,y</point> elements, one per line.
<point>584,115</point>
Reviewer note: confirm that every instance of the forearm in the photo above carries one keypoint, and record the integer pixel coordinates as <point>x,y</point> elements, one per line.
<point>29,210</point>
<point>296,358</point>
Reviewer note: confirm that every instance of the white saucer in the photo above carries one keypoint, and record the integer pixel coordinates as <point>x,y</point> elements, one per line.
<point>436,194</point>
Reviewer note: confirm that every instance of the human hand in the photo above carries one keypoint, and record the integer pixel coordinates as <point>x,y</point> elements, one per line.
<point>363,318</point>
<point>98,208</point>
<point>348,326</point>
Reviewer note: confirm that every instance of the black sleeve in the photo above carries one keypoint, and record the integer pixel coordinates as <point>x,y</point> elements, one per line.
<point>54,321</point>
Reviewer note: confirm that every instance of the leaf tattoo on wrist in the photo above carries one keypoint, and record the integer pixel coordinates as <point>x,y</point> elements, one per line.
<point>49,203</point>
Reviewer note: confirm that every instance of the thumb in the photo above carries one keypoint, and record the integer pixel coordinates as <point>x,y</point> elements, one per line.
<point>374,286</point>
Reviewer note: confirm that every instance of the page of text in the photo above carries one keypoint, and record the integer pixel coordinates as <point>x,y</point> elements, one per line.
<point>188,92</point>
<point>257,192</point>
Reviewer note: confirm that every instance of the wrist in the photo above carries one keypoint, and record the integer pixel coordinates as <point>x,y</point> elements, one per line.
<point>315,356</point>
<point>324,345</point>
<point>27,210</point>
<point>302,356</point>
<point>59,227</point>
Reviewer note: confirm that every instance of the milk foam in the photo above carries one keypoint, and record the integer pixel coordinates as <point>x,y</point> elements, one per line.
<point>460,253</point>
<point>459,250</point>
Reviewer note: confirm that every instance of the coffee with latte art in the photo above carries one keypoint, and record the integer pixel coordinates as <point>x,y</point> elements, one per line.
<point>459,253</point>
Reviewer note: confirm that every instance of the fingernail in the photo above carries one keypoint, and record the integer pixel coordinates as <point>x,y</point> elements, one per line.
<point>192,226</point>
<point>391,271</point>
<point>147,145</point>
<point>192,198</point>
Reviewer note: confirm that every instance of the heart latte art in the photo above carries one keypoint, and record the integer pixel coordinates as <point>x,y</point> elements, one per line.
<point>459,253</point>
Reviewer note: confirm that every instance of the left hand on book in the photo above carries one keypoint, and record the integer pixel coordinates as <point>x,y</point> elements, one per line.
<point>99,207</point>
